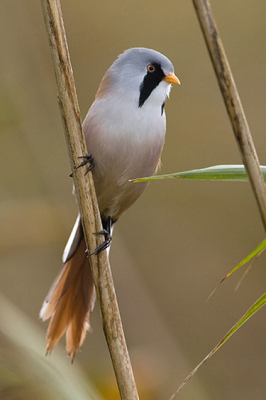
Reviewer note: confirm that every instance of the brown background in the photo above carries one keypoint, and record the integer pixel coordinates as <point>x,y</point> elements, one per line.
<point>176,243</point>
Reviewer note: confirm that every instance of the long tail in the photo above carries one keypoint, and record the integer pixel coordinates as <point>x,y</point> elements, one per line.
<point>70,301</point>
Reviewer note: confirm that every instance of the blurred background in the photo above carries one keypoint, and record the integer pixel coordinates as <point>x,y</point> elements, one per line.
<point>171,249</point>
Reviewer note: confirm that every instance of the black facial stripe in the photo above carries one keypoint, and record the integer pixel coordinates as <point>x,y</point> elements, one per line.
<point>150,81</point>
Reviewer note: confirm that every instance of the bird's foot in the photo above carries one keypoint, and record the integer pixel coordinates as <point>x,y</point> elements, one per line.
<point>105,244</point>
<point>87,159</point>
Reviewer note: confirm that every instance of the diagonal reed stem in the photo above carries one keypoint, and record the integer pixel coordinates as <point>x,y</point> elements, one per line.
<point>232,102</point>
<point>87,201</point>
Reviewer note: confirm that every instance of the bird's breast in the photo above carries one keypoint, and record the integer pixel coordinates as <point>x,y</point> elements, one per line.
<point>125,143</point>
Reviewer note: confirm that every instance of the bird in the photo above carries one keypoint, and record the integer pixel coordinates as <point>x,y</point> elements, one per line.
<point>124,131</point>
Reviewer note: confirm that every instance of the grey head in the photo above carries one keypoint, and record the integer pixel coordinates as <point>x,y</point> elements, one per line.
<point>139,71</point>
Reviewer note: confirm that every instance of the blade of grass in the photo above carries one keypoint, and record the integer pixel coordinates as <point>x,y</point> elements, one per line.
<point>235,173</point>
<point>248,269</point>
<point>251,311</point>
<point>254,253</point>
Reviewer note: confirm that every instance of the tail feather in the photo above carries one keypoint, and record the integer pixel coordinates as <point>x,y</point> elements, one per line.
<point>69,303</point>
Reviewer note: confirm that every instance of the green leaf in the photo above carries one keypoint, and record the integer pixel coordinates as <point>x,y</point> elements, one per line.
<point>235,173</point>
<point>254,253</point>
<point>251,311</point>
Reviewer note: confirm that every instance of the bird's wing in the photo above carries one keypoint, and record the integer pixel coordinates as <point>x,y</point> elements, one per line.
<point>74,240</point>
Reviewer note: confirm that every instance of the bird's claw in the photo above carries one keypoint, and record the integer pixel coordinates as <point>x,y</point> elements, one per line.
<point>87,159</point>
<point>105,244</point>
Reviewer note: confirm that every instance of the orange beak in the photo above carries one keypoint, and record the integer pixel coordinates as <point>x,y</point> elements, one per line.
<point>171,78</point>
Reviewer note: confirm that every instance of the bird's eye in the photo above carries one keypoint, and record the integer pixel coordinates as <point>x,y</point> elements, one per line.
<point>150,68</point>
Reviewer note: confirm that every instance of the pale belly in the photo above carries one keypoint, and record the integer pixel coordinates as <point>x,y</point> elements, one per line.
<point>128,149</point>
<point>114,191</point>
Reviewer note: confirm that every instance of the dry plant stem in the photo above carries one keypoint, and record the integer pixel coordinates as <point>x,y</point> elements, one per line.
<point>87,200</point>
<point>232,102</point>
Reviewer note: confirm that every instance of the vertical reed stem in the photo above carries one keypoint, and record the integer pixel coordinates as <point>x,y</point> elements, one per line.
<point>87,200</point>
<point>232,102</point>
